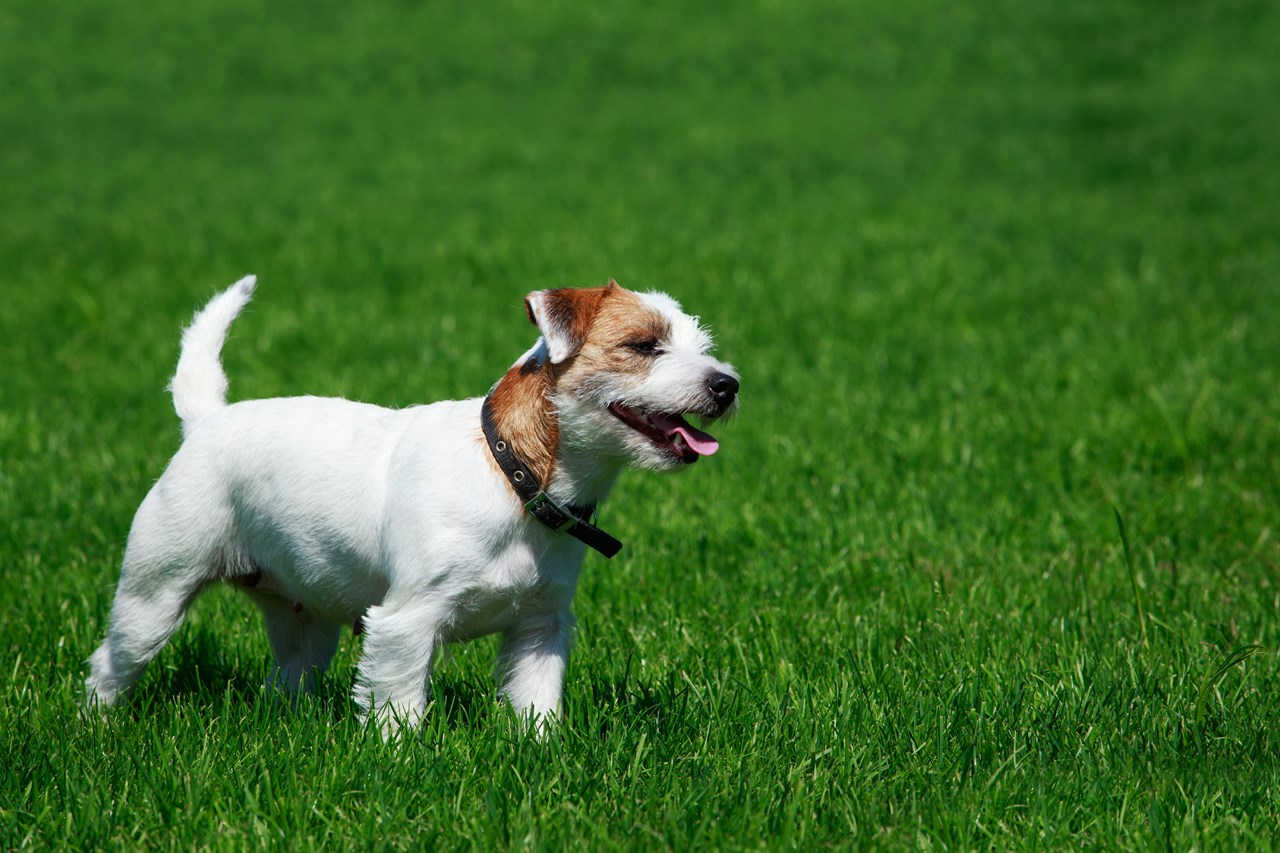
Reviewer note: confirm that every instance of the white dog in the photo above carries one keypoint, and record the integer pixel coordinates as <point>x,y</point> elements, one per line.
<point>430,524</point>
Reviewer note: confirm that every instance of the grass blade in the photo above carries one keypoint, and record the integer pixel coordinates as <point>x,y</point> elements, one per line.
<point>1232,658</point>
<point>1133,572</point>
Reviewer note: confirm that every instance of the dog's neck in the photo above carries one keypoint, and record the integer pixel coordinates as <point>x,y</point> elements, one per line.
<point>527,416</point>
<point>522,409</point>
<point>584,475</point>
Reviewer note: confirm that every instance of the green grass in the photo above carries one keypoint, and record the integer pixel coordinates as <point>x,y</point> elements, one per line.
<point>989,271</point>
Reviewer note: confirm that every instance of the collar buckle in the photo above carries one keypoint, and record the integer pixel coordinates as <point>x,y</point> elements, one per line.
<point>551,514</point>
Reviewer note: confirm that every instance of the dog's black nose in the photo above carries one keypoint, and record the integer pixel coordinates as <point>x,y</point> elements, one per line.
<point>723,389</point>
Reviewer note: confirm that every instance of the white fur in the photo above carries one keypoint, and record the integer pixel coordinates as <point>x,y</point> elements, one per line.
<point>555,343</point>
<point>199,386</point>
<point>350,511</point>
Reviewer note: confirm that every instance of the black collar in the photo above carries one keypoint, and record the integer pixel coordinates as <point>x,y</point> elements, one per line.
<point>573,520</point>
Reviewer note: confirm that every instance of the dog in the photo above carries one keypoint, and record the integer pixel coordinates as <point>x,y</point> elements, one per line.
<point>420,526</point>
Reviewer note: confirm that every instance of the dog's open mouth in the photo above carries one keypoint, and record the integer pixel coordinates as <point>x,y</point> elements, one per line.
<point>670,432</point>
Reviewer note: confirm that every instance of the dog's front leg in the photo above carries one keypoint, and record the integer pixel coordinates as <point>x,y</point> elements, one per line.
<point>532,663</point>
<point>400,643</point>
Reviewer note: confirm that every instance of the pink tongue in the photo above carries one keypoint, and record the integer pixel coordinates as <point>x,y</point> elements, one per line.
<point>701,443</point>
<point>698,441</point>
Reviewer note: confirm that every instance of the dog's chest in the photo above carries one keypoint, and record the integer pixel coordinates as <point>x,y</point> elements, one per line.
<point>516,591</point>
<point>483,612</point>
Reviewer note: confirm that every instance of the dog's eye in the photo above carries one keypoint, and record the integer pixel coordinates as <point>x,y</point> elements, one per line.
<point>646,346</point>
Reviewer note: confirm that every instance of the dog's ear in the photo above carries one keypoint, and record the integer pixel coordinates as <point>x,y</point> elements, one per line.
<point>564,317</point>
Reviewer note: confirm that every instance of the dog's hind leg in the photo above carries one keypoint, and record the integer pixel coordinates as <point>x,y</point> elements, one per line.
<point>151,601</point>
<point>142,621</point>
<point>303,644</point>
<point>165,568</point>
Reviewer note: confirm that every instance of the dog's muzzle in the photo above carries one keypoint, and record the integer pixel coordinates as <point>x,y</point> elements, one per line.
<point>671,433</point>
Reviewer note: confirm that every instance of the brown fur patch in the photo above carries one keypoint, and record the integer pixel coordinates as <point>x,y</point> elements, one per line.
<point>521,404</point>
<point>621,319</point>
<point>568,312</point>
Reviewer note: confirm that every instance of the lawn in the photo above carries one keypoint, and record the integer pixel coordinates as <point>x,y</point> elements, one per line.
<point>988,560</point>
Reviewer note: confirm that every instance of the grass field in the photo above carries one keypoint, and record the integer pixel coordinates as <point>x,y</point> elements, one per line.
<point>997,275</point>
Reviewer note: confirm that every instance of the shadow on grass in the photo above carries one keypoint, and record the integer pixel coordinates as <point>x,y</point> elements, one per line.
<point>201,672</point>
<point>195,668</point>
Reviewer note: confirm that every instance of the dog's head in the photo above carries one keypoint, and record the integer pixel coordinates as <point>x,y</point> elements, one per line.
<point>629,369</point>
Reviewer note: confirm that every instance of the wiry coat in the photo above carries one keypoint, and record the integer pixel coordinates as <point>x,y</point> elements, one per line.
<point>330,513</point>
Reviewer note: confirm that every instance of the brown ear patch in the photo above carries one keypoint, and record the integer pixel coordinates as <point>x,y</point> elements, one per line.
<point>564,316</point>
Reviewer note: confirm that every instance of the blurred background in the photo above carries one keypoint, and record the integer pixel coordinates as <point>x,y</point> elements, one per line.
<point>992,273</point>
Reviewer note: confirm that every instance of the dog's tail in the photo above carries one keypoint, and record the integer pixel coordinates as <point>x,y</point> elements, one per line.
<point>199,386</point>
